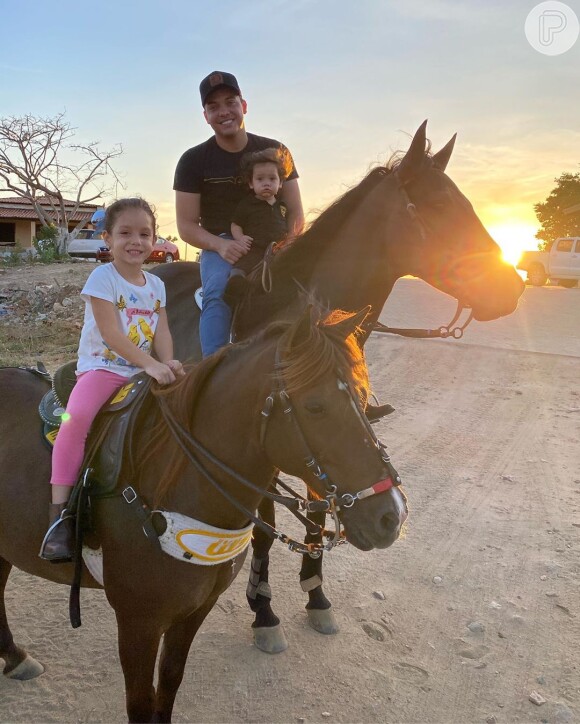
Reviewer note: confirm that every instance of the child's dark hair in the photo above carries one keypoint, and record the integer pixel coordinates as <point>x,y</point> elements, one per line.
<point>278,156</point>
<point>117,208</point>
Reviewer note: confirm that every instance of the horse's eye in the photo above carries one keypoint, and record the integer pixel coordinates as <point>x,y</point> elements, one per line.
<point>315,408</point>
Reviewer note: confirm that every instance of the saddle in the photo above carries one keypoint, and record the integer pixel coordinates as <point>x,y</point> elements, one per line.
<point>110,441</point>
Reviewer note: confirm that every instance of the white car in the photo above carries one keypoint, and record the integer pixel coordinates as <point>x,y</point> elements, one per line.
<point>86,244</point>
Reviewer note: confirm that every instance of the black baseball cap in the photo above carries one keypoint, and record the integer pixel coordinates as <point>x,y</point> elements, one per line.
<point>217,79</point>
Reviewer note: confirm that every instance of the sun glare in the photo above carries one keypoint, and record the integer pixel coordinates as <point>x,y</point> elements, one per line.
<point>513,239</point>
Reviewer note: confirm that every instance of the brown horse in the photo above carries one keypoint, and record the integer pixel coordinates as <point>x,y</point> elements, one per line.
<point>310,381</point>
<point>405,218</point>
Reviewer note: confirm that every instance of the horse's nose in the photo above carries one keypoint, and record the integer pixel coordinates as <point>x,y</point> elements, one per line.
<point>389,526</point>
<point>390,523</point>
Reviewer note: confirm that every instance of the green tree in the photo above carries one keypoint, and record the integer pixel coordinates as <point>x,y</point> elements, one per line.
<point>559,214</point>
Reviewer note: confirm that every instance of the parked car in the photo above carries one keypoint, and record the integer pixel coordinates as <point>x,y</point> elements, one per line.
<point>86,245</point>
<point>163,251</point>
<point>561,264</point>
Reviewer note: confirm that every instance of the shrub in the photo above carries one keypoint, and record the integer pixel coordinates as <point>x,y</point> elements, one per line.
<point>45,244</point>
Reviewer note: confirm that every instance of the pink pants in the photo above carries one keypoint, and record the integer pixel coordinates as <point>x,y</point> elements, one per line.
<point>90,393</point>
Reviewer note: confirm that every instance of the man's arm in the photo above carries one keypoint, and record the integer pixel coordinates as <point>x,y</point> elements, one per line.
<point>290,195</point>
<point>187,211</point>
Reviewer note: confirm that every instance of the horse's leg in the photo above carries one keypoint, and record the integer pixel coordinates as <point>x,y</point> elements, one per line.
<point>176,644</point>
<point>319,608</point>
<point>138,645</point>
<point>18,664</point>
<point>268,632</point>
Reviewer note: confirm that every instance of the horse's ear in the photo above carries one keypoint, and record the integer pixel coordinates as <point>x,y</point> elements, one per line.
<point>413,159</point>
<point>349,325</point>
<point>441,158</point>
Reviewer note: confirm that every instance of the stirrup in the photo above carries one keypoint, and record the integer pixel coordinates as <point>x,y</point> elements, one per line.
<point>65,519</point>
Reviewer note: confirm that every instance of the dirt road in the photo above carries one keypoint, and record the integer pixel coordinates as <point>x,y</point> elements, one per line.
<point>460,621</point>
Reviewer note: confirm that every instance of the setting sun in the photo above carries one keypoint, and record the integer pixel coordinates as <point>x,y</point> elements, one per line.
<point>514,239</point>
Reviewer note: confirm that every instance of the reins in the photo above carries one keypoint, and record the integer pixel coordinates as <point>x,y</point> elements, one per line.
<point>443,332</point>
<point>294,502</point>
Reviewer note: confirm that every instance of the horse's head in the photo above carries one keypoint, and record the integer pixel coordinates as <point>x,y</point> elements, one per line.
<point>445,242</point>
<point>314,428</point>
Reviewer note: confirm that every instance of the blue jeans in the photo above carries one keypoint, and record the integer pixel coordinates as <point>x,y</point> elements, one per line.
<point>216,315</point>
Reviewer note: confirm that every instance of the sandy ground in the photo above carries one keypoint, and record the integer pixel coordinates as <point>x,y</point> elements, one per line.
<point>460,621</point>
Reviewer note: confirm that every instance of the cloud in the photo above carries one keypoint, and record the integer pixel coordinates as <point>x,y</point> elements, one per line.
<point>516,176</point>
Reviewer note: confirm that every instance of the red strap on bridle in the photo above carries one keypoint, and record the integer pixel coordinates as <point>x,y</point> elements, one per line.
<point>380,487</point>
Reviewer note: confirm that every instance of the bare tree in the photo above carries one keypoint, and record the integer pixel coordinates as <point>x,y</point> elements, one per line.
<point>37,163</point>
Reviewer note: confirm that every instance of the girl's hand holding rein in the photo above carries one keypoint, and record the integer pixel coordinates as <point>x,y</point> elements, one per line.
<point>160,371</point>
<point>176,366</point>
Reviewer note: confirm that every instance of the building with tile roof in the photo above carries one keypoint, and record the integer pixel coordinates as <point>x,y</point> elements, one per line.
<point>19,221</point>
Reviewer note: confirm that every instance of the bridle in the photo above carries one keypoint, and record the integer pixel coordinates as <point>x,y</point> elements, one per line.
<point>446,330</point>
<point>332,503</point>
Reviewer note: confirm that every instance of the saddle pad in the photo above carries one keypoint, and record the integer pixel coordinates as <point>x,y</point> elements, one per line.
<point>94,562</point>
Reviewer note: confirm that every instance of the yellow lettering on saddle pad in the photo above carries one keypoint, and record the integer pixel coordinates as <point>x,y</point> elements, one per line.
<point>51,435</point>
<point>123,392</point>
<point>212,547</point>
<point>199,543</point>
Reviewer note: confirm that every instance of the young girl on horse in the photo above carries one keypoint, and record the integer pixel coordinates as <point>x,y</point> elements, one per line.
<point>125,321</point>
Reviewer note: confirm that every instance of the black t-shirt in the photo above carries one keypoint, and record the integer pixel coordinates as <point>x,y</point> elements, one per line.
<point>213,173</point>
<point>262,221</point>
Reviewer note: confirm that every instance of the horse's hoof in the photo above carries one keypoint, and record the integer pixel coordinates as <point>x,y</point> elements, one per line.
<point>323,620</point>
<point>270,639</point>
<point>28,669</point>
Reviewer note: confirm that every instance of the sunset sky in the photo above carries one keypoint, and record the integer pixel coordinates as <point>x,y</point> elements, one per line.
<point>342,84</point>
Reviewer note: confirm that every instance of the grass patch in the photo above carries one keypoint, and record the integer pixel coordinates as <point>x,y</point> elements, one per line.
<point>54,343</point>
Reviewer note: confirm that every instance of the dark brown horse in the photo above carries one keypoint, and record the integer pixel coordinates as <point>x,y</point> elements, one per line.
<point>310,382</point>
<point>405,218</point>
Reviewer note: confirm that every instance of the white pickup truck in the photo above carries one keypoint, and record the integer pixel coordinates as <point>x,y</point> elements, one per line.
<point>561,264</point>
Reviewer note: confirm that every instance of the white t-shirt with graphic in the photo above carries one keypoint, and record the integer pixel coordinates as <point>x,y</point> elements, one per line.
<point>137,311</point>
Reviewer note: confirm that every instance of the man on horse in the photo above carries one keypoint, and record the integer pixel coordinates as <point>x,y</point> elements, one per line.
<point>209,186</point>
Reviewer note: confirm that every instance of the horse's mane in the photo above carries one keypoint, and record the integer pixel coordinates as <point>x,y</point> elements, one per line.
<point>324,350</point>
<point>296,258</point>
<point>302,365</point>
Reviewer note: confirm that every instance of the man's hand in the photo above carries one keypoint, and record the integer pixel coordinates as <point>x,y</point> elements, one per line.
<point>232,250</point>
